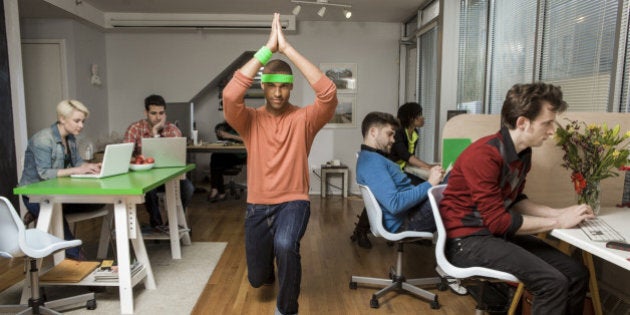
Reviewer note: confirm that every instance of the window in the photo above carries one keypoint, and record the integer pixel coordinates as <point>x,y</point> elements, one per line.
<point>472,55</point>
<point>578,50</point>
<point>624,105</point>
<point>428,94</point>
<point>571,43</point>
<point>512,49</point>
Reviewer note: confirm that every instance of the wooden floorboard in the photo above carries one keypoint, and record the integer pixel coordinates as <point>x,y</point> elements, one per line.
<point>329,259</point>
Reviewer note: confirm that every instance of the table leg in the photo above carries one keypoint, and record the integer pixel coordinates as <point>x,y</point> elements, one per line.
<point>345,185</point>
<point>587,258</point>
<point>172,194</point>
<point>324,188</point>
<point>141,253</point>
<point>122,253</point>
<point>181,216</point>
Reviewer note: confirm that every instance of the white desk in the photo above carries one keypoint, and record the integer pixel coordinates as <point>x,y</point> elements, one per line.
<point>619,219</point>
<point>124,192</point>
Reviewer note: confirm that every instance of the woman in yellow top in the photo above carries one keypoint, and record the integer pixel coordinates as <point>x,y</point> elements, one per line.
<point>406,141</point>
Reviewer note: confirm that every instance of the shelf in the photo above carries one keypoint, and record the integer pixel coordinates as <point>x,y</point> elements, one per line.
<point>89,280</point>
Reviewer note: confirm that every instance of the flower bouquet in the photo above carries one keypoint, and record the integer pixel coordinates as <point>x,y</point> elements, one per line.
<point>592,153</point>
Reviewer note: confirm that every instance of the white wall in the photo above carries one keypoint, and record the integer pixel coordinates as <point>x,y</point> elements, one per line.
<point>85,45</point>
<point>178,64</point>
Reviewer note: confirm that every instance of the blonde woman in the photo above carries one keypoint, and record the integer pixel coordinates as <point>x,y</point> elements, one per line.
<point>52,152</point>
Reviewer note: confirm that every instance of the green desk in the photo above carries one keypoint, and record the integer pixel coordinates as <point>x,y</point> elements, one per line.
<point>124,192</point>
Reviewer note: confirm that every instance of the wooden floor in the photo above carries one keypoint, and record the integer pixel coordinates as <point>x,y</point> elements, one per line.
<point>329,258</point>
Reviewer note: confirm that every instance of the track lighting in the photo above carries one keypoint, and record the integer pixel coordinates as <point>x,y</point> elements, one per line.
<point>297,9</point>
<point>321,12</point>
<point>347,13</point>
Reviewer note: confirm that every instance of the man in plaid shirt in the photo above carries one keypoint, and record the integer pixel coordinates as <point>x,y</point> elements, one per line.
<point>155,126</point>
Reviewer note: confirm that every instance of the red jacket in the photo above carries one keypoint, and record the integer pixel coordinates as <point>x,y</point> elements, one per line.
<point>486,180</point>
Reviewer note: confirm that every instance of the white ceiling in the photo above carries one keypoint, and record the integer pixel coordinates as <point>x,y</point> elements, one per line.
<point>362,10</point>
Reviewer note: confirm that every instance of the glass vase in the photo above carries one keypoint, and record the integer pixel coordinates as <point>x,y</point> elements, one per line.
<point>591,196</point>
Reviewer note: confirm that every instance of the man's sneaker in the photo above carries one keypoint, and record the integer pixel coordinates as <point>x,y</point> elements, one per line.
<point>454,284</point>
<point>360,236</point>
<point>271,280</point>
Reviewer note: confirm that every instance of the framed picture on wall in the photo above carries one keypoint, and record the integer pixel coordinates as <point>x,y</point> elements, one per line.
<point>343,74</point>
<point>345,113</point>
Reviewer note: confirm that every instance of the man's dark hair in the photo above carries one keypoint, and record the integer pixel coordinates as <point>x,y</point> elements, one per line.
<point>154,100</point>
<point>277,66</point>
<point>378,119</point>
<point>408,112</point>
<point>527,100</point>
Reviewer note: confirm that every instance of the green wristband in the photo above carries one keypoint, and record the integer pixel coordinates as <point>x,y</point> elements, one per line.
<point>263,55</point>
<point>276,78</point>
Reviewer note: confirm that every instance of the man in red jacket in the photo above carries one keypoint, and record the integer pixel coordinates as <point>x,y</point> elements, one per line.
<point>490,221</point>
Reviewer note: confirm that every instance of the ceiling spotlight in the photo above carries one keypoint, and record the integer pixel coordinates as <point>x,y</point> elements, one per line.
<point>347,13</point>
<point>321,12</point>
<point>297,9</point>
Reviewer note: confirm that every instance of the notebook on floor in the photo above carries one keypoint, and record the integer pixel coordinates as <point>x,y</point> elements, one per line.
<point>167,152</point>
<point>115,161</point>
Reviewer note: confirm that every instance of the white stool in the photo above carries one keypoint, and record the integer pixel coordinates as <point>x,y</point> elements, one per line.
<point>339,170</point>
<point>107,215</point>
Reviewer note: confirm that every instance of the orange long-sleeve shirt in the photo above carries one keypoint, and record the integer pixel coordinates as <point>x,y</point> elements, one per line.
<point>277,146</point>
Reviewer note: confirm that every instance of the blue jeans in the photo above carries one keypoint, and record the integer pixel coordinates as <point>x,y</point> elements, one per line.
<point>419,218</point>
<point>276,230</point>
<point>557,281</point>
<point>73,252</point>
<point>152,204</point>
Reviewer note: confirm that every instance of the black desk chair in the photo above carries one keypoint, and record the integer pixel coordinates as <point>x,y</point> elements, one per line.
<point>235,189</point>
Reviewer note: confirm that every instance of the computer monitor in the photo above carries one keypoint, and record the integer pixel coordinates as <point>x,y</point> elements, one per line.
<point>181,115</point>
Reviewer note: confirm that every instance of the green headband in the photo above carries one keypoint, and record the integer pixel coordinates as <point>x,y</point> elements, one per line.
<point>276,78</point>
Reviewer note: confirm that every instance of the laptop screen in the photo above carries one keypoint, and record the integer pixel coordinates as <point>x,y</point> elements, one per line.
<point>167,152</point>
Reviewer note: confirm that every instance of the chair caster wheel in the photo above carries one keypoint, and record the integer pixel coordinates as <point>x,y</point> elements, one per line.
<point>374,303</point>
<point>91,304</point>
<point>435,304</point>
<point>442,286</point>
<point>353,285</point>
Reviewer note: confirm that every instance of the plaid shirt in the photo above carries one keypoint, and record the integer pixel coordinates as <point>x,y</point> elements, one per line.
<point>141,129</point>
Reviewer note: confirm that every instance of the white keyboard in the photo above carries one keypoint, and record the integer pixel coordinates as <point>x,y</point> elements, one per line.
<point>599,231</point>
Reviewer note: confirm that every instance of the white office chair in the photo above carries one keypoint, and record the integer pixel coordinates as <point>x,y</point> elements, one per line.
<point>472,273</point>
<point>17,241</point>
<point>396,281</point>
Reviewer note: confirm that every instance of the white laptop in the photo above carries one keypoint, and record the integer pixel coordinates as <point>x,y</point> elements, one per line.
<point>115,161</point>
<point>167,152</point>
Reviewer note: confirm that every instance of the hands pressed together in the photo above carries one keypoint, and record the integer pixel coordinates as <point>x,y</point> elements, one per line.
<point>277,42</point>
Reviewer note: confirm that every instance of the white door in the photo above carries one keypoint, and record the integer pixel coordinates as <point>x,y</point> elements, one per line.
<point>45,81</point>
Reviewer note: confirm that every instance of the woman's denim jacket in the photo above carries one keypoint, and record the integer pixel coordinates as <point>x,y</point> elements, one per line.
<point>44,155</point>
